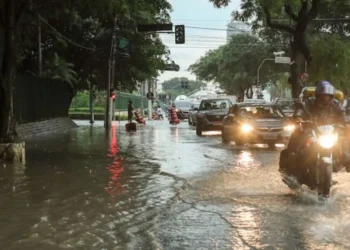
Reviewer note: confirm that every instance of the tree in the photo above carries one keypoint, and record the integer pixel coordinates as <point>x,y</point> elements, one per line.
<point>235,65</point>
<point>10,14</point>
<point>173,86</point>
<point>59,68</point>
<point>79,33</point>
<point>262,10</point>
<point>90,24</point>
<point>332,60</point>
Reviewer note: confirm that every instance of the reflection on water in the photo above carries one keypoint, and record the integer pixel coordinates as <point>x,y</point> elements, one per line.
<point>245,160</point>
<point>159,187</point>
<point>247,228</point>
<point>116,168</point>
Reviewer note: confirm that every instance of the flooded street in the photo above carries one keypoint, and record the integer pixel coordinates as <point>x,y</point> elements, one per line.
<point>162,187</point>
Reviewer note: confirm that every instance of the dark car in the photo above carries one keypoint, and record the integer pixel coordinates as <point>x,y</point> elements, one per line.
<point>256,123</point>
<point>182,108</point>
<point>192,114</point>
<point>287,106</point>
<point>211,113</point>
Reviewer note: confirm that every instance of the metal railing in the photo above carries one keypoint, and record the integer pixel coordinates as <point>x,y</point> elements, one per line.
<point>122,101</point>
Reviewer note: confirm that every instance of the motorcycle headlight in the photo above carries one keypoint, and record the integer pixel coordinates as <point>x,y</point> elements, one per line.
<point>289,128</point>
<point>328,141</point>
<point>246,128</point>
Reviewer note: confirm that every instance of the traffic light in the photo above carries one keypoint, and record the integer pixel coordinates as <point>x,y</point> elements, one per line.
<point>179,34</point>
<point>184,85</point>
<point>112,94</point>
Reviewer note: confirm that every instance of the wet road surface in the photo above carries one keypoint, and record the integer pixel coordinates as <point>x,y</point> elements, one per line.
<point>160,188</point>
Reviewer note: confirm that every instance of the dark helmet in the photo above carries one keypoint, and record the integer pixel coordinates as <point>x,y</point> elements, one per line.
<point>325,92</point>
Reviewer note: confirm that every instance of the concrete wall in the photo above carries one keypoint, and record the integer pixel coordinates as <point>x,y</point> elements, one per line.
<point>47,126</point>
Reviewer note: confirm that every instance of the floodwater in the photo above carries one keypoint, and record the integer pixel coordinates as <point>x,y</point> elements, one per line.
<point>161,187</point>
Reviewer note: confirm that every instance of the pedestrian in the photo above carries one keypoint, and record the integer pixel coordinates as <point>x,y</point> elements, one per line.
<point>130,111</point>
<point>160,113</point>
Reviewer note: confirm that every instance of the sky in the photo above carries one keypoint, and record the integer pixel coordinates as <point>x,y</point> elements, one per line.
<point>195,14</point>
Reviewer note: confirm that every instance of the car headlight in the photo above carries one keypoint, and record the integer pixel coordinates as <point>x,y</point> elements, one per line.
<point>289,128</point>
<point>246,128</point>
<point>328,141</point>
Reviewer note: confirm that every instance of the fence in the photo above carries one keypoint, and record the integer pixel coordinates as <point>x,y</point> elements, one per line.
<point>38,99</point>
<point>122,101</point>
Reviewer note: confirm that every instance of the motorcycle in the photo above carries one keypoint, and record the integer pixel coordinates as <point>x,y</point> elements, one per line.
<point>315,161</point>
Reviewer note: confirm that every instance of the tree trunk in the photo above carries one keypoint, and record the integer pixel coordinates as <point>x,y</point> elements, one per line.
<point>296,69</point>
<point>7,122</point>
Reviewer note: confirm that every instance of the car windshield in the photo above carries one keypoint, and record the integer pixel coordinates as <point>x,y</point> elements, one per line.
<point>196,105</point>
<point>215,104</point>
<point>289,105</point>
<point>183,104</point>
<point>261,112</point>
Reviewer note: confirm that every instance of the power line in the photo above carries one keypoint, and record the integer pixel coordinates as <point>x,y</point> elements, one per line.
<point>66,38</point>
<point>207,28</point>
<point>201,20</point>
<point>199,36</point>
<point>318,19</point>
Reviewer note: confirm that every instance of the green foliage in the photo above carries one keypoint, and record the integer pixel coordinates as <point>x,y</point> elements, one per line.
<point>58,68</point>
<point>89,24</point>
<point>235,65</point>
<point>173,86</point>
<point>331,61</point>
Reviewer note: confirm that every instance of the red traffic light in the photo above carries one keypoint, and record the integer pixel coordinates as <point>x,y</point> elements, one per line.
<point>113,96</point>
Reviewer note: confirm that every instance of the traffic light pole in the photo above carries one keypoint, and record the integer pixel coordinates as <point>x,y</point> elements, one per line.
<point>111,67</point>
<point>92,116</point>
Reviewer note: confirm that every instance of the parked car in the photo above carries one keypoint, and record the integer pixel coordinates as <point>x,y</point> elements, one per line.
<point>287,106</point>
<point>211,113</point>
<point>182,108</point>
<point>256,123</point>
<point>192,113</point>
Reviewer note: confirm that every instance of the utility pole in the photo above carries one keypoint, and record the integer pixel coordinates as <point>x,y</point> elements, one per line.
<point>111,67</point>
<point>149,101</point>
<point>39,48</point>
<point>142,97</point>
<point>92,116</point>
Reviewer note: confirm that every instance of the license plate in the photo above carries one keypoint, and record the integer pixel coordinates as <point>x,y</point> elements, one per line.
<point>270,137</point>
<point>218,117</point>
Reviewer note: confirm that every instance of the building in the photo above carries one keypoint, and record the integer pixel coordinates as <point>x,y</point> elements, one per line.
<point>236,28</point>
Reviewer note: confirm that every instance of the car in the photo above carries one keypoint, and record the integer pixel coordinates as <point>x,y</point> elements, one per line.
<point>287,106</point>
<point>182,108</point>
<point>256,123</point>
<point>192,113</point>
<point>211,113</point>
<point>254,101</point>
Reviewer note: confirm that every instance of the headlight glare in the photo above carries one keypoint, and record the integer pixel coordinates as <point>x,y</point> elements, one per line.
<point>246,128</point>
<point>328,141</point>
<point>289,128</point>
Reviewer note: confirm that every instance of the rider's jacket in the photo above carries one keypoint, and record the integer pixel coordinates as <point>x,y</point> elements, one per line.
<point>332,113</point>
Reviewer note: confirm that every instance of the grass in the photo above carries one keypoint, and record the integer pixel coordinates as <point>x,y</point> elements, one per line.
<point>87,110</point>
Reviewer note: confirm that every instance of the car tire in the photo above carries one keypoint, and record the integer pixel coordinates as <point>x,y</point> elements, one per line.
<point>198,131</point>
<point>224,137</point>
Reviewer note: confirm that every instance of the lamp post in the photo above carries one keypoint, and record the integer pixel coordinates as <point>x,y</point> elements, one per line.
<point>261,64</point>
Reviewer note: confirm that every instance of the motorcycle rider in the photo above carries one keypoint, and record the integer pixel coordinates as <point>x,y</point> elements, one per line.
<point>325,108</point>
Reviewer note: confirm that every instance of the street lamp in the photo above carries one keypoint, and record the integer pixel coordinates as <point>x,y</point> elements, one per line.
<point>261,64</point>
